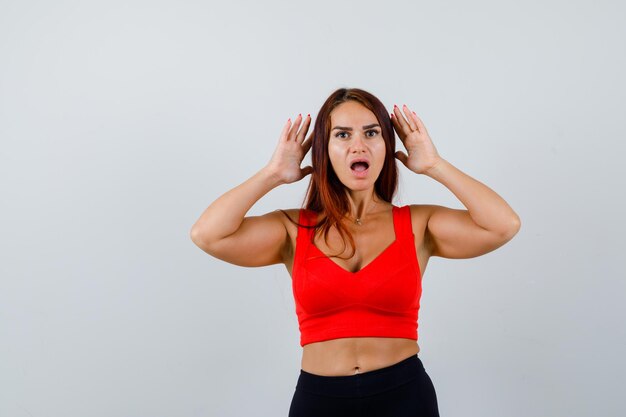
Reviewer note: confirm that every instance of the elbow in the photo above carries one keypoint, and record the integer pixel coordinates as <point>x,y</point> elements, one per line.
<point>514,226</point>
<point>194,235</point>
<point>200,242</point>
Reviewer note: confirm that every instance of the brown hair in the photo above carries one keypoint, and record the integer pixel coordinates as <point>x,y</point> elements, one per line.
<point>326,193</point>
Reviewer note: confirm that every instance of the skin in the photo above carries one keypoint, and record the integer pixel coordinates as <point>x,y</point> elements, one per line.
<point>346,356</point>
<point>345,145</point>
<point>224,231</point>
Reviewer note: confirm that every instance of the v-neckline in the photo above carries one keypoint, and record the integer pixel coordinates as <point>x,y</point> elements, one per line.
<point>380,255</point>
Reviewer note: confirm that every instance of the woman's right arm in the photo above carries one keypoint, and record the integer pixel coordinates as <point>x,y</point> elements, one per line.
<point>224,232</point>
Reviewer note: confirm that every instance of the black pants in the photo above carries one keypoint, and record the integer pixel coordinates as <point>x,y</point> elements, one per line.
<point>400,390</point>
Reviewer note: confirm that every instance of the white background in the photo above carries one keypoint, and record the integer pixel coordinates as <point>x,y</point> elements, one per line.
<point>121,121</point>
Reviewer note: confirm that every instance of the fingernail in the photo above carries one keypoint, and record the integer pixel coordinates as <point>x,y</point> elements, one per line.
<point>415,113</point>
<point>394,106</point>
<point>308,115</point>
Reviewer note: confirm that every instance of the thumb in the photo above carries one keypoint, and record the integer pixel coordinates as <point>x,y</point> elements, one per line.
<point>402,157</point>
<point>306,170</point>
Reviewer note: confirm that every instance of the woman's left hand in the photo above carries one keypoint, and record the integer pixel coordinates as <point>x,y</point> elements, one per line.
<point>422,154</point>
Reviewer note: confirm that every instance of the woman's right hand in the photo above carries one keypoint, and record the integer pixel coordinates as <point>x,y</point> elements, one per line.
<point>291,149</point>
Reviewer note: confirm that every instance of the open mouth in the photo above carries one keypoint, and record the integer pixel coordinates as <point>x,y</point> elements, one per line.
<point>359,168</point>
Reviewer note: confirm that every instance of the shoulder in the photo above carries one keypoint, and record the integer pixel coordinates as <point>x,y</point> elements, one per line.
<point>291,217</point>
<point>425,211</point>
<point>420,213</point>
<point>290,213</point>
<point>420,216</point>
<point>294,215</point>
<point>287,217</point>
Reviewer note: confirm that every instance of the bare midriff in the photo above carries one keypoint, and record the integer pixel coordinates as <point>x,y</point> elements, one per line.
<point>355,355</point>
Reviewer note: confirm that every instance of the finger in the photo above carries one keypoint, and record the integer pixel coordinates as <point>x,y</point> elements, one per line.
<point>394,121</point>
<point>283,133</point>
<point>398,127</point>
<point>305,128</point>
<point>409,115</point>
<point>420,124</point>
<point>400,119</point>
<point>402,157</point>
<point>306,145</point>
<point>294,128</point>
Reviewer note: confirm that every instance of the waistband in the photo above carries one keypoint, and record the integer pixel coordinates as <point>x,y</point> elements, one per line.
<point>360,385</point>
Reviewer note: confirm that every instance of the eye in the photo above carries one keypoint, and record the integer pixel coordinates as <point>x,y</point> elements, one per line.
<point>370,133</point>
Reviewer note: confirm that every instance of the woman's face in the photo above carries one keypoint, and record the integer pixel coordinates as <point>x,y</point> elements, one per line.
<point>355,135</point>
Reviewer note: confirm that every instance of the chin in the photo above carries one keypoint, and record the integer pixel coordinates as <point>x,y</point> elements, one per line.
<point>358,185</point>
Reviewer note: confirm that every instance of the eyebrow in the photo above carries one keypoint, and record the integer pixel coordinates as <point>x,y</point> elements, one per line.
<point>349,128</point>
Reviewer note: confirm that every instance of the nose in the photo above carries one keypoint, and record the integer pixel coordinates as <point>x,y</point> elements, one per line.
<point>358,143</point>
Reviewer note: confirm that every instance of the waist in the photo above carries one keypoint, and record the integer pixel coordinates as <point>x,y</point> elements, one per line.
<point>350,355</point>
<point>365,384</point>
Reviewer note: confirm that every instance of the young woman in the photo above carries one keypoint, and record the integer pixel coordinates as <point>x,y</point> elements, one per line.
<point>356,260</point>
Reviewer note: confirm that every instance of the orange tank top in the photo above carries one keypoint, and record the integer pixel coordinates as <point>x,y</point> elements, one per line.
<point>382,299</point>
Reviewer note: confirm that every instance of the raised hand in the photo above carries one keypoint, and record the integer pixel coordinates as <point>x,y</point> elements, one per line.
<point>291,149</point>
<point>422,154</point>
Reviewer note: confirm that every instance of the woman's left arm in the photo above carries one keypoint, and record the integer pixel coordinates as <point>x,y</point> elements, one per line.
<point>488,223</point>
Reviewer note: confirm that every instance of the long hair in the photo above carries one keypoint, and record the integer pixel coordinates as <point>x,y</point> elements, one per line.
<point>326,194</point>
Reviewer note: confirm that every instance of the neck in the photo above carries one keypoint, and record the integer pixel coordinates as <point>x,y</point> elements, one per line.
<point>361,202</point>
